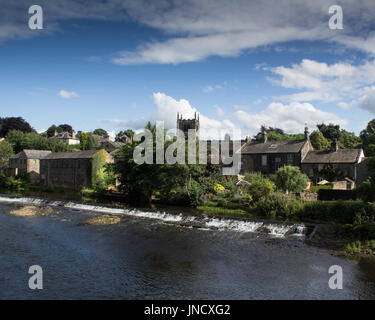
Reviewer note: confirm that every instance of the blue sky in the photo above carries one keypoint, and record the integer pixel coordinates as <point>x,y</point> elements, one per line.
<point>240,64</point>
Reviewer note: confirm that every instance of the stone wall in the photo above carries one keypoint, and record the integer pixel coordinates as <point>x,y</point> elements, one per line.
<point>66,173</point>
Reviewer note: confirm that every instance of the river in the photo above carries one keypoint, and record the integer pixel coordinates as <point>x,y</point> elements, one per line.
<point>158,255</point>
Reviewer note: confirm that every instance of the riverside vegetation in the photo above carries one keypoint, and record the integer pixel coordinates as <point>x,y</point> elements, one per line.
<point>204,187</point>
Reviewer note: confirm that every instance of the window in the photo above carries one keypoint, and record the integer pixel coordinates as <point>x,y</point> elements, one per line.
<point>289,159</point>
<point>264,160</point>
<point>311,172</point>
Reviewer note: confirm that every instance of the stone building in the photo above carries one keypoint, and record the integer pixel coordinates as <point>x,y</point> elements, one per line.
<point>184,125</point>
<point>72,170</point>
<point>109,145</point>
<point>347,160</point>
<point>66,137</point>
<point>267,156</point>
<point>27,162</point>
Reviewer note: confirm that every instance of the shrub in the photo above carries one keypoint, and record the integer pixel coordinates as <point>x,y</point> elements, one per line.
<point>195,194</point>
<point>290,178</point>
<point>280,205</point>
<point>345,212</point>
<point>259,186</point>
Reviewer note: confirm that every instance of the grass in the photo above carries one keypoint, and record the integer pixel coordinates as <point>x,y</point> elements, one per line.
<point>357,247</point>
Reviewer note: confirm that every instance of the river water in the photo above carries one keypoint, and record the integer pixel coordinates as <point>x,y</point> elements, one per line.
<point>157,255</point>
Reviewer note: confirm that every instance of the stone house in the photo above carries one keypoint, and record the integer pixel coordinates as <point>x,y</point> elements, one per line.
<point>67,138</point>
<point>109,145</point>
<point>72,170</point>
<point>267,156</point>
<point>27,162</point>
<point>347,160</point>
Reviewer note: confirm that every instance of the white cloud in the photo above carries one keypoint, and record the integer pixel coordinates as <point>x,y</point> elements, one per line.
<point>367,101</point>
<point>196,29</point>
<point>67,95</point>
<point>341,82</point>
<point>291,118</point>
<point>200,29</point>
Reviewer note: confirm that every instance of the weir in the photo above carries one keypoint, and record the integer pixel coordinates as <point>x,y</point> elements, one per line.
<point>204,223</point>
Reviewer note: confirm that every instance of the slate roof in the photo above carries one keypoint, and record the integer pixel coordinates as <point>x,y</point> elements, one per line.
<point>86,154</point>
<point>326,156</point>
<point>32,154</point>
<point>273,146</point>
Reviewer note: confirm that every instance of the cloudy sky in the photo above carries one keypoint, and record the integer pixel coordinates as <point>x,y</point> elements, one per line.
<point>116,64</point>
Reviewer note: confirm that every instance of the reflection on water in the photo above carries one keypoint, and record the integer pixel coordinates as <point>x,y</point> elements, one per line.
<point>143,258</point>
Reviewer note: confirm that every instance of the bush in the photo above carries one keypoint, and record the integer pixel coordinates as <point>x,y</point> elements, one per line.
<point>291,179</point>
<point>280,205</point>
<point>366,190</point>
<point>345,212</point>
<point>259,187</point>
<point>195,194</point>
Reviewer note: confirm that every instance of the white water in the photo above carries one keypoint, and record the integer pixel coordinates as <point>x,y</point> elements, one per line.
<point>205,224</point>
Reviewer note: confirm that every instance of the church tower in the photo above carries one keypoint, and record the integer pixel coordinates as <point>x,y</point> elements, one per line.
<point>185,125</point>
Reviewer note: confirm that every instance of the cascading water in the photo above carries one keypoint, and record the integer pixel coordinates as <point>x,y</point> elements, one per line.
<point>221,224</point>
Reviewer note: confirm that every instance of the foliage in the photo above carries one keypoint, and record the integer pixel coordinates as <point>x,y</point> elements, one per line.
<point>33,141</point>
<point>12,183</point>
<point>348,140</point>
<point>195,194</point>
<point>52,129</point>
<point>348,211</point>
<point>121,136</point>
<point>6,151</point>
<point>258,185</point>
<point>318,141</point>
<point>368,139</point>
<point>13,123</point>
<point>330,131</point>
<point>66,128</point>
<point>88,141</point>
<point>279,205</point>
<point>100,172</point>
<point>101,132</point>
<point>278,134</point>
<point>291,179</point>
<point>331,174</point>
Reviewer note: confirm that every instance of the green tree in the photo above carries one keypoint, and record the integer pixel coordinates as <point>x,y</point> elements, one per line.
<point>330,131</point>
<point>16,139</point>
<point>13,123</point>
<point>52,129</point>
<point>99,173</point>
<point>258,185</point>
<point>88,141</point>
<point>318,141</point>
<point>368,139</point>
<point>121,136</point>
<point>348,140</point>
<point>101,132</point>
<point>6,151</point>
<point>291,179</point>
<point>331,174</point>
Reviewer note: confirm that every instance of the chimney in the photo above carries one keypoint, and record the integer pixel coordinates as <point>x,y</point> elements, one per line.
<point>306,132</point>
<point>335,146</point>
<point>55,133</point>
<point>73,134</point>
<point>264,136</point>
